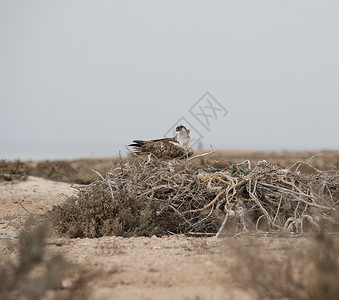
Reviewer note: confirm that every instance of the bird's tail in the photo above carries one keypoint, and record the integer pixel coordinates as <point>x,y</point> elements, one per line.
<point>137,143</point>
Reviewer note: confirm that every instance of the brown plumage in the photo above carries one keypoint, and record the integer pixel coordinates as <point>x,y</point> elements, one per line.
<point>166,148</point>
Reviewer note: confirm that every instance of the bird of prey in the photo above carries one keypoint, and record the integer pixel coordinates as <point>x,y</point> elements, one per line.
<point>167,148</point>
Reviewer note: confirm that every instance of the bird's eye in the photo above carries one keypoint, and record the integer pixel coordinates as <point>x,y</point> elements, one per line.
<point>177,129</point>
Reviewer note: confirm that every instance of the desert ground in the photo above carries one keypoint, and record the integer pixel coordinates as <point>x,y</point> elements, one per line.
<point>168,267</point>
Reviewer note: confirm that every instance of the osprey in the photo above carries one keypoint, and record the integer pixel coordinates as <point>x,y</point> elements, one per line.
<point>167,148</point>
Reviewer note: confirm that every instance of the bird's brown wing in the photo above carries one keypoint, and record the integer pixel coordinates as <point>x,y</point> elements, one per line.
<point>137,144</point>
<point>161,148</point>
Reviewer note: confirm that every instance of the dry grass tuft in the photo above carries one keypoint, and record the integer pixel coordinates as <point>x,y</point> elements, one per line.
<point>147,197</point>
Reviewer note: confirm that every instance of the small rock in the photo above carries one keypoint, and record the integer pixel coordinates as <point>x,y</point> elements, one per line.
<point>66,283</point>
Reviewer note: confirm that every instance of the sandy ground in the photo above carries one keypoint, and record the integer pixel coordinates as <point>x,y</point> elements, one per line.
<point>35,194</point>
<point>175,267</point>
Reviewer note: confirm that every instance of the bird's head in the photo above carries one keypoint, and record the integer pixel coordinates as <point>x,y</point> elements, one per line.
<point>182,129</point>
<point>183,135</point>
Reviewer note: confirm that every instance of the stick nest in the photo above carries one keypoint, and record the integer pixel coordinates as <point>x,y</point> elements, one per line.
<point>153,197</point>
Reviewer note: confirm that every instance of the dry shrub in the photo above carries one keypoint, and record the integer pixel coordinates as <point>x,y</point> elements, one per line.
<point>147,197</point>
<point>34,274</point>
<point>306,273</point>
<point>55,170</point>
<point>85,167</point>
<point>323,284</point>
<point>76,171</point>
<point>281,158</point>
<point>12,170</point>
<point>258,268</point>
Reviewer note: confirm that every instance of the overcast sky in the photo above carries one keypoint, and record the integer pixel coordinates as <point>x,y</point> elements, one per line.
<point>113,71</point>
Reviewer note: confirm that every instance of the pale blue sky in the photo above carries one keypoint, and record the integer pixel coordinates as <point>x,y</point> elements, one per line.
<point>90,72</point>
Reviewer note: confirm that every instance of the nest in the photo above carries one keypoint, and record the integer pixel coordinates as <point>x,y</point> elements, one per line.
<point>145,197</point>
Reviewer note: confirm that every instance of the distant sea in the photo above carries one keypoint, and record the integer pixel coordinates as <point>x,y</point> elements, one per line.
<point>58,151</point>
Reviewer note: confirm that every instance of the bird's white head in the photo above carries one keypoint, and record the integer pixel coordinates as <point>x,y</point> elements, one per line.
<point>183,136</point>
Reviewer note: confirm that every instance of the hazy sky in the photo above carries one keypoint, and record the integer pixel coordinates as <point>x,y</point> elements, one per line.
<point>113,71</point>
